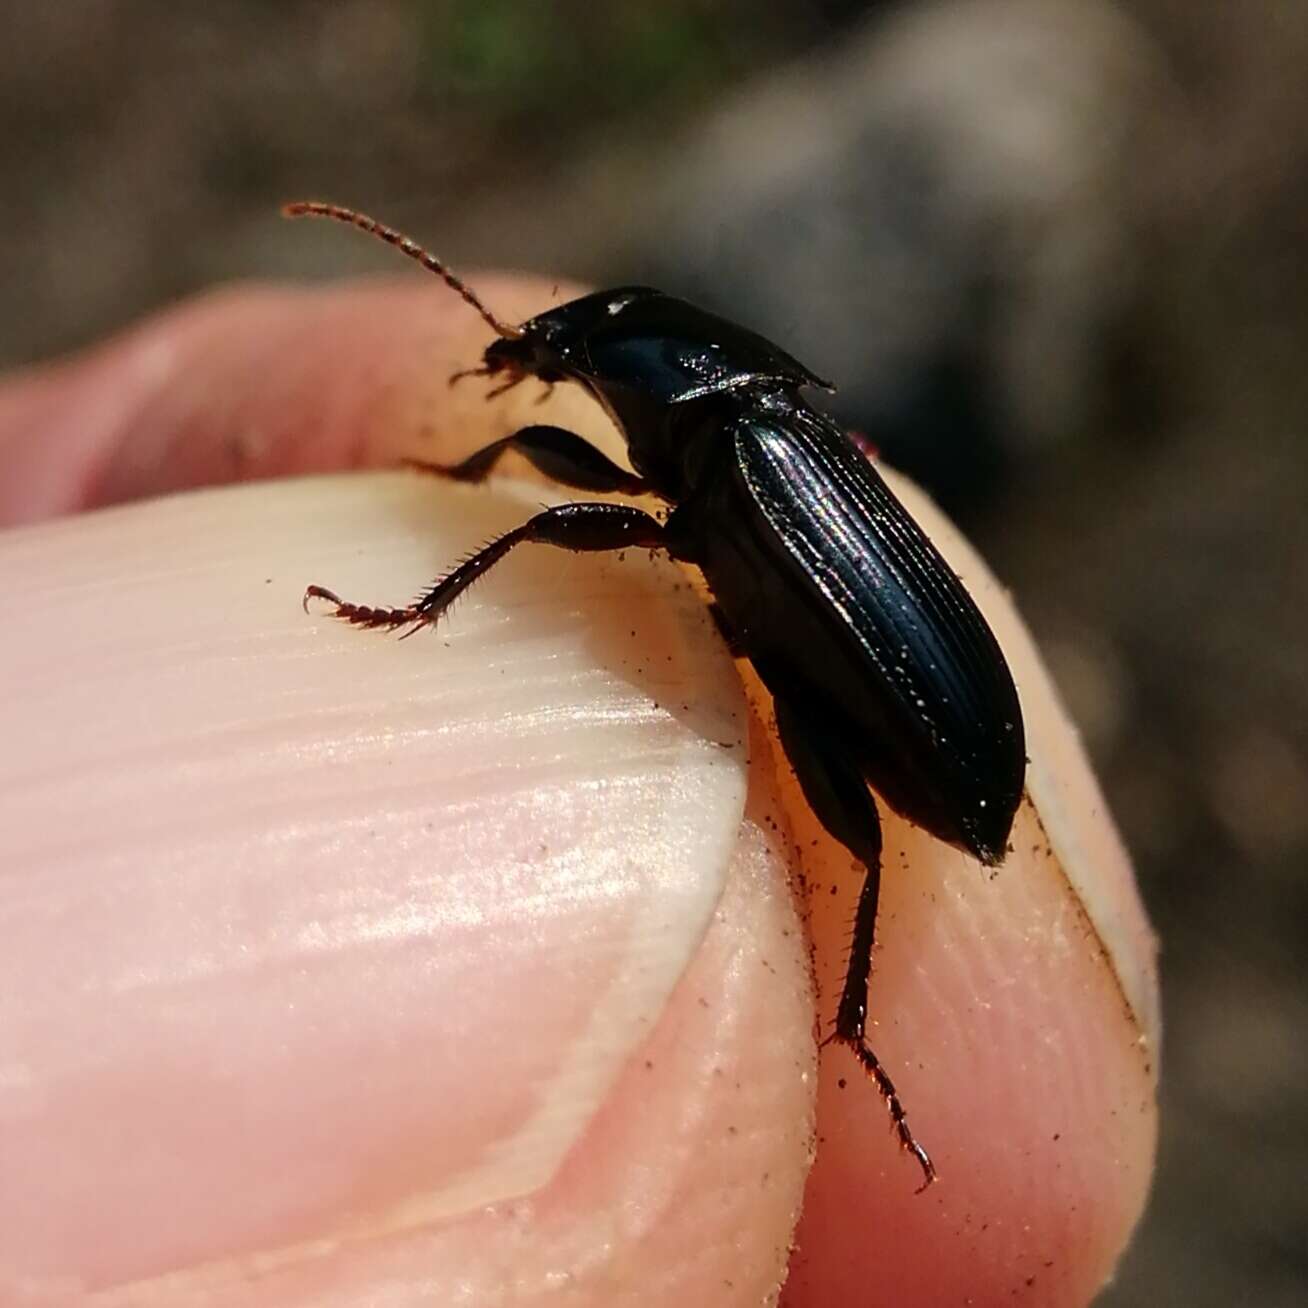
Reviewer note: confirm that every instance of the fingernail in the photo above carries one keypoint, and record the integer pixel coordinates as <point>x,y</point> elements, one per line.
<point>312,933</point>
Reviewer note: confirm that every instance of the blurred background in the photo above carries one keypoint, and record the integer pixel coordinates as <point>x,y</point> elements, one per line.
<point>1053,250</point>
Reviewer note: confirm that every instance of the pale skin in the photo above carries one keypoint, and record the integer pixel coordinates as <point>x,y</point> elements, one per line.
<point>425,972</point>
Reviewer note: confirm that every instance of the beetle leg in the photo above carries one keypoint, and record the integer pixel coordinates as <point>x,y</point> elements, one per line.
<point>581,527</point>
<point>480,371</point>
<point>514,377</point>
<point>560,454</point>
<point>838,795</point>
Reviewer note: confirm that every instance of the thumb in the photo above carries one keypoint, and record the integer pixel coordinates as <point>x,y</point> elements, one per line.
<point>1019,1013</point>
<point>338,967</point>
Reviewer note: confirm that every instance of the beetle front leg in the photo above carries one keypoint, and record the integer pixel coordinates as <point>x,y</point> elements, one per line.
<point>560,454</point>
<point>580,527</point>
<point>838,795</point>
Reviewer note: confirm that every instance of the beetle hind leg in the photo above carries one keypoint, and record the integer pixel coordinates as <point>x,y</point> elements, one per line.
<point>838,795</point>
<point>851,1020</point>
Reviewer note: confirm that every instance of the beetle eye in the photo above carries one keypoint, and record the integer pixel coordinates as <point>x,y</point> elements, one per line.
<point>616,306</point>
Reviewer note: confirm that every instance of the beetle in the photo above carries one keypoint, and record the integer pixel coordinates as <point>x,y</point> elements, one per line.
<point>881,669</point>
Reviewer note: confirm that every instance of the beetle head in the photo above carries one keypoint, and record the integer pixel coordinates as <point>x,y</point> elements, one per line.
<point>556,344</point>
<point>639,342</point>
<point>528,355</point>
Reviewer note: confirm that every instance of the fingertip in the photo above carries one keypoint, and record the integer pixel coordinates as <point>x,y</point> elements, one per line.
<point>1016,1011</point>
<point>253,382</point>
<point>429,966</point>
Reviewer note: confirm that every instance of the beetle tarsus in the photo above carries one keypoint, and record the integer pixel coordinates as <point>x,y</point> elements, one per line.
<point>363,615</point>
<point>870,1064</point>
<point>319,592</point>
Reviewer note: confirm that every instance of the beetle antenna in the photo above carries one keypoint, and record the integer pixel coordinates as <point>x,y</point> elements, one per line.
<point>321,209</point>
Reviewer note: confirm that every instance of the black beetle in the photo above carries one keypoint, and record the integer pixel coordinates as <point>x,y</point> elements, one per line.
<point>881,669</point>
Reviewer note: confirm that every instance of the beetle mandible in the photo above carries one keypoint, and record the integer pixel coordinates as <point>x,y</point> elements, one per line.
<point>882,670</point>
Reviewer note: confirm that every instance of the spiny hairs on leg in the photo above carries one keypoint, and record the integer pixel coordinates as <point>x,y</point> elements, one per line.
<point>426,609</point>
<point>886,1088</point>
<point>838,795</point>
<point>580,527</point>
